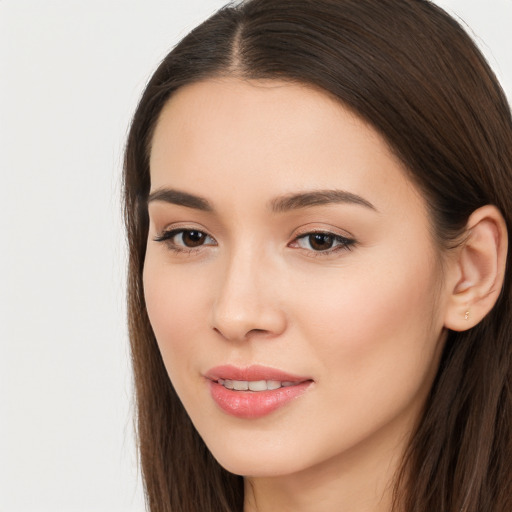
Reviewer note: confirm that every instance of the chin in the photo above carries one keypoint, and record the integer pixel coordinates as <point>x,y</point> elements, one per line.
<point>270,467</point>
<point>258,459</point>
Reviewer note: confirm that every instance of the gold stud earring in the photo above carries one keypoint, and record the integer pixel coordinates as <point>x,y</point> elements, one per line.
<point>466,315</point>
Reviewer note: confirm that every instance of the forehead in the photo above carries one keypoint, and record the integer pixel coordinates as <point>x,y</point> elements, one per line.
<point>264,138</point>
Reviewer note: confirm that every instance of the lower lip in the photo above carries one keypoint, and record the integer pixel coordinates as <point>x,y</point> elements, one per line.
<point>254,404</point>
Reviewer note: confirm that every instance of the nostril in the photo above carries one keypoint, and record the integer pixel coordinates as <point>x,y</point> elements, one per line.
<point>238,321</point>
<point>256,331</point>
<point>240,335</point>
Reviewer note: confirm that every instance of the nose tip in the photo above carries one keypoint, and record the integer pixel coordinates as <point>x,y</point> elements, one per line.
<point>244,324</point>
<point>247,307</point>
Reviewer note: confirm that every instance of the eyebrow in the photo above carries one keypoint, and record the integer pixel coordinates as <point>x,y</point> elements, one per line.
<point>280,204</point>
<point>317,198</point>
<point>180,198</point>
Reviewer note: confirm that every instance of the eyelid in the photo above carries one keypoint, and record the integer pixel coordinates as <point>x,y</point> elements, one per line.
<point>346,241</point>
<point>168,233</point>
<point>179,226</point>
<point>313,228</point>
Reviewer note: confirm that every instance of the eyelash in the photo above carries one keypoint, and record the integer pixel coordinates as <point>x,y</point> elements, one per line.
<point>167,237</point>
<point>342,242</point>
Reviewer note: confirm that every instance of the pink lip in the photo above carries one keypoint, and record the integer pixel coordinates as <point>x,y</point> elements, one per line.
<point>253,404</point>
<point>254,372</point>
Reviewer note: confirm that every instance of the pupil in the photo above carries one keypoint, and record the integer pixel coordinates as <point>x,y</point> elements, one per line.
<point>320,241</point>
<point>193,238</point>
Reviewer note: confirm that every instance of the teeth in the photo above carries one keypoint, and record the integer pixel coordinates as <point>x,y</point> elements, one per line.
<point>258,385</point>
<point>228,384</point>
<point>240,385</point>
<point>253,385</point>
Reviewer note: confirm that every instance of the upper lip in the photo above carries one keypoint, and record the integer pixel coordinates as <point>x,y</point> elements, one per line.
<point>251,373</point>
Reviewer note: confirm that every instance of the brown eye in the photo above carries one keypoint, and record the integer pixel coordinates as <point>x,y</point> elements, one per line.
<point>321,241</point>
<point>182,239</point>
<point>192,238</point>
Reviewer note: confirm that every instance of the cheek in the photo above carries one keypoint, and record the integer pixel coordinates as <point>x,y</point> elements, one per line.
<point>373,332</point>
<point>176,309</point>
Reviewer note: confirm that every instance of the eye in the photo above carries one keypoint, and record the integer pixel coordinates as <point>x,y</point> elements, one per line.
<point>323,242</point>
<point>183,239</point>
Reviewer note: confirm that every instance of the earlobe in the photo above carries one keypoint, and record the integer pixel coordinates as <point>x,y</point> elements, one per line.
<point>479,269</point>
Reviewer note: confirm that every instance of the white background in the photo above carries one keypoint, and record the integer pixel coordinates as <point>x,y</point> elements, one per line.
<point>71,72</point>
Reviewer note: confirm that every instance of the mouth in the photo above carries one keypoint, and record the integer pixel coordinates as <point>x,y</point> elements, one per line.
<point>255,391</point>
<point>255,385</point>
<point>253,374</point>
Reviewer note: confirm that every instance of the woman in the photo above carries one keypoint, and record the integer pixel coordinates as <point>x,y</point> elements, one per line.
<point>317,200</point>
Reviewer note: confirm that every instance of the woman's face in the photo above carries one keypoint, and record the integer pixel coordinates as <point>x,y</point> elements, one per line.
<point>287,245</point>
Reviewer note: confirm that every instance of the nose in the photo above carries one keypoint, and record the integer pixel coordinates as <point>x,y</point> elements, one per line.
<point>248,302</point>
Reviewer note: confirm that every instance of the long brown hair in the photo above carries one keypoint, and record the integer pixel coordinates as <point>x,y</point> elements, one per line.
<point>409,70</point>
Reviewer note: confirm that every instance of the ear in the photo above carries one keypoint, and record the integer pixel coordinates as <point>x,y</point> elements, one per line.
<point>478,269</point>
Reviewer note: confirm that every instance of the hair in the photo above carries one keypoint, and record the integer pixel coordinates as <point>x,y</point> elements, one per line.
<point>412,72</point>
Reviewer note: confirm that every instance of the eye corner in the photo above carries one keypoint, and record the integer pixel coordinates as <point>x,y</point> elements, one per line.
<point>185,239</point>
<point>321,242</point>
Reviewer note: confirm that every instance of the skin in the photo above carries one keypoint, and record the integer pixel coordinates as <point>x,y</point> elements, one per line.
<point>364,322</point>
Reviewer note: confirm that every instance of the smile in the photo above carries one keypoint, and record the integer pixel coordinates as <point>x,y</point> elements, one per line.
<point>254,391</point>
<point>254,385</point>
